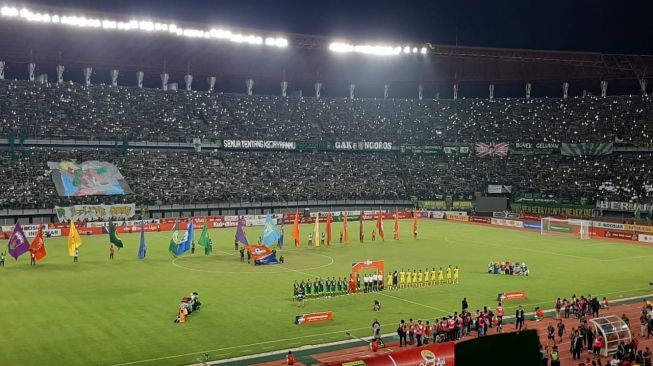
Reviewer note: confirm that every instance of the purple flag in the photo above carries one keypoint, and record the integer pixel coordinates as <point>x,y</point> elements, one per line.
<point>240,232</point>
<point>18,244</point>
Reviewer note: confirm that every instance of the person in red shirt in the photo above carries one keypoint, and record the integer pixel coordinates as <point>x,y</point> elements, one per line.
<point>427,332</point>
<point>32,259</point>
<point>290,359</point>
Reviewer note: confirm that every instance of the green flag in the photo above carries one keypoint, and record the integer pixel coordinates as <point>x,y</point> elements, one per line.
<point>205,241</point>
<point>174,241</point>
<point>113,235</point>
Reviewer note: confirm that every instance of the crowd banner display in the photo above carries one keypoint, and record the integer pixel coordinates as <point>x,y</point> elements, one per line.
<point>498,189</point>
<point>313,317</point>
<point>586,149</point>
<point>89,178</point>
<point>536,200</point>
<point>540,148</point>
<point>363,145</point>
<point>555,210</point>
<point>443,205</point>
<point>95,212</point>
<point>491,149</point>
<point>506,215</point>
<point>258,145</point>
<point>624,206</point>
<point>313,145</point>
<point>421,150</point>
<point>454,148</point>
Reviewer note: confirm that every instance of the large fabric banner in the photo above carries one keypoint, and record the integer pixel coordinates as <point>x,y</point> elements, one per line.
<point>540,148</point>
<point>89,178</point>
<point>586,149</point>
<point>363,145</point>
<point>96,212</point>
<point>624,206</point>
<point>492,149</point>
<point>454,148</point>
<point>417,149</point>
<point>258,145</point>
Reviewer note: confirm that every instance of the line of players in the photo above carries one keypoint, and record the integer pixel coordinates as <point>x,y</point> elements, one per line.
<point>418,278</point>
<point>323,287</point>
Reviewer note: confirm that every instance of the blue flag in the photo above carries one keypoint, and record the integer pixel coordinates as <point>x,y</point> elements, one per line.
<point>270,233</point>
<point>142,248</point>
<point>184,246</point>
<point>280,241</point>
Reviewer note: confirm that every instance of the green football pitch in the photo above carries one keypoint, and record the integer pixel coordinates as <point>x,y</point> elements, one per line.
<point>121,312</point>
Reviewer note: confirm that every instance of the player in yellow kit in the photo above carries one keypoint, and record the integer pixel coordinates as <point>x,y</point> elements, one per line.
<point>402,279</point>
<point>415,278</point>
<point>456,275</point>
<point>440,276</point>
<point>449,274</point>
<point>389,283</point>
<point>433,276</point>
<point>420,278</point>
<point>426,277</point>
<point>409,279</point>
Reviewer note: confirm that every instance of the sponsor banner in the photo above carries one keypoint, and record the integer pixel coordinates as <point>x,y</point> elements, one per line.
<point>508,296</point>
<point>506,222</point>
<point>25,227</point>
<point>95,212</point>
<point>645,238</point>
<point>123,223</point>
<point>443,205</point>
<point>639,228</point>
<point>555,210</point>
<point>536,200</point>
<point>258,145</point>
<point>314,317</point>
<point>46,232</point>
<point>532,225</point>
<point>89,178</point>
<point>425,150</point>
<point>457,217</point>
<point>608,225</point>
<point>505,215</point>
<point>363,145</point>
<point>483,220</point>
<point>498,188</point>
<point>624,206</point>
<point>586,149</point>
<point>454,148</point>
<point>540,148</point>
<point>559,228</point>
<point>436,214</point>
<point>313,145</point>
<point>437,354</point>
<point>491,149</point>
<point>530,217</point>
<point>621,235</point>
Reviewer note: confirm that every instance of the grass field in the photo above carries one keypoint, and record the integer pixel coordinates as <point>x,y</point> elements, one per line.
<point>98,312</point>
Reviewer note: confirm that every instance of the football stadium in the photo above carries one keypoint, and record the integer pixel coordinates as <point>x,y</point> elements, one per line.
<point>181,192</point>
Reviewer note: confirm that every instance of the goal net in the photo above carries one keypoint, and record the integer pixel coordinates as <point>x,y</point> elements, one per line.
<point>579,228</point>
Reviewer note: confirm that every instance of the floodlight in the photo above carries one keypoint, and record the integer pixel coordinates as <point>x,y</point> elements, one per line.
<point>423,51</point>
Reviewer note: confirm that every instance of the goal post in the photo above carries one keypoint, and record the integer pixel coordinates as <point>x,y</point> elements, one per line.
<point>579,228</point>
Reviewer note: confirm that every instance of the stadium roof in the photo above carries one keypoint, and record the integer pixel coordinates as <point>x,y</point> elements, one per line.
<point>306,59</point>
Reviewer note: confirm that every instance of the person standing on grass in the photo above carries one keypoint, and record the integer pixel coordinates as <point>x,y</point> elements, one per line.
<point>2,259</point>
<point>112,250</point>
<point>519,318</point>
<point>236,242</point>
<point>32,257</point>
<point>465,305</point>
<point>76,256</point>
<point>242,255</point>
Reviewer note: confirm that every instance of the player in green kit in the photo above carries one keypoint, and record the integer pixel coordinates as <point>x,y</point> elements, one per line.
<point>333,286</point>
<point>339,286</point>
<point>308,288</point>
<point>316,287</point>
<point>295,290</point>
<point>322,287</point>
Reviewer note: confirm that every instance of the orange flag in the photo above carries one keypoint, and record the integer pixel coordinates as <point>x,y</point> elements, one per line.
<point>415,223</point>
<point>396,224</point>
<point>379,225</point>
<point>344,229</point>
<point>295,229</point>
<point>38,245</point>
<point>328,228</point>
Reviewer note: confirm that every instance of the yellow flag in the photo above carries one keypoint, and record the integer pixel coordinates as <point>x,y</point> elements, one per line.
<point>316,230</point>
<point>74,240</point>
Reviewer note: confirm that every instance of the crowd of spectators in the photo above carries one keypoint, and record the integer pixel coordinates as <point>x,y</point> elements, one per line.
<point>167,177</point>
<point>70,110</point>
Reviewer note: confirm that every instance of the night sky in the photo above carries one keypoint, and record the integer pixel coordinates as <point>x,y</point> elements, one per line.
<point>577,25</point>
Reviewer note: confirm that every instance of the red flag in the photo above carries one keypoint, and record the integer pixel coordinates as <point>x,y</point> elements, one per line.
<point>379,225</point>
<point>295,229</point>
<point>396,224</point>
<point>328,228</point>
<point>361,233</point>
<point>38,245</point>
<point>345,231</point>
<point>415,223</point>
